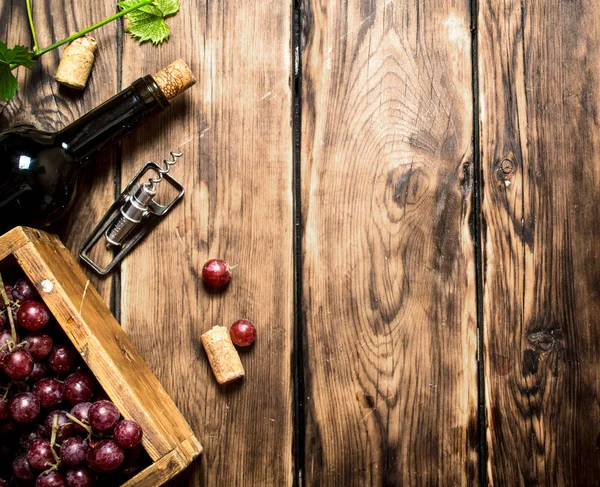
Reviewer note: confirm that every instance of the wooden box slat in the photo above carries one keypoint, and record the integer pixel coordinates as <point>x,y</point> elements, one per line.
<point>107,351</point>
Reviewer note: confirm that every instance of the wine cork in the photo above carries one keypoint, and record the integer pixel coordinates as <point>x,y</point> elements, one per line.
<point>76,63</point>
<point>174,79</point>
<point>222,355</point>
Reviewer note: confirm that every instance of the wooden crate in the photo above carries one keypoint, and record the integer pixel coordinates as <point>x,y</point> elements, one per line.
<point>108,352</point>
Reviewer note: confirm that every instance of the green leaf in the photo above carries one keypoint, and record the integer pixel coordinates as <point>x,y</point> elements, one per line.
<point>8,82</point>
<point>19,55</point>
<point>147,23</point>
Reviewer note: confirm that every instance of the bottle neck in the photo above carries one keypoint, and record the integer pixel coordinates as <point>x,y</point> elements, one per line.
<point>106,124</point>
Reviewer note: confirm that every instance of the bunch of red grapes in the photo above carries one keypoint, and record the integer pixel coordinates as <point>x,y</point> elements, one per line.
<point>57,426</point>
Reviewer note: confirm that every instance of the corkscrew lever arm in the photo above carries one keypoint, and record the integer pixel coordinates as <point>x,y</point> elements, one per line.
<point>131,216</point>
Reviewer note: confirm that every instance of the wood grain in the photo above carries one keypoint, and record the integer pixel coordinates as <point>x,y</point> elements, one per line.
<point>234,129</point>
<point>44,104</point>
<point>388,269</point>
<point>540,96</point>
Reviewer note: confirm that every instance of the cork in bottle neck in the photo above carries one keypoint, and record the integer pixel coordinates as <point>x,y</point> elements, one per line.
<point>174,79</point>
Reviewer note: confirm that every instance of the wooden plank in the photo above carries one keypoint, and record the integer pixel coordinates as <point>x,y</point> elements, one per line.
<point>234,129</point>
<point>44,104</point>
<point>388,267</point>
<point>540,144</point>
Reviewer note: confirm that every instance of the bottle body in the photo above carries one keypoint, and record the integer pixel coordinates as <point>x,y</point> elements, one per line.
<point>39,170</point>
<point>37,179</point>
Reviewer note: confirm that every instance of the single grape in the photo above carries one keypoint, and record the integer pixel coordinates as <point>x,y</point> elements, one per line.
<point>40,370</point>
<point>62,359</point>
<point>79,387</point>
<point>21,468</point>
<point>128,434</point>
<point>108,455</point>
<point>81,412</point>
<point>23,290</point>
<point>103,416</point>
<point>53,479</point>
<point>216,273</point>
<point>36,433</point>
<point>49,392</point>
<point>3,483</point>
<point>243,333</point>
<point>39,454</point>
<point>79,477</point>
<point>91,460</point>
<point>39,345</point>
<point>65,426</point>
<point>24,407</point>
<point>18,365</point>
<point>33,315</point>
<point>73,451</point>
<point>4,409</point>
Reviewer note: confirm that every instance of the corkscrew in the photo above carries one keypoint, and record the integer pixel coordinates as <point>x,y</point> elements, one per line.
<point>133,214</point>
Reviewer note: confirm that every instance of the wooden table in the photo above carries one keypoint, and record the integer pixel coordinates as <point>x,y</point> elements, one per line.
<point>397,183</point>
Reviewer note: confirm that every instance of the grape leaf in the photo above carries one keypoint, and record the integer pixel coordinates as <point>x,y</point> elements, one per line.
<point>148,22</point>
<point>8,83</point>
<point>9,59</point>
<point>19,55</point>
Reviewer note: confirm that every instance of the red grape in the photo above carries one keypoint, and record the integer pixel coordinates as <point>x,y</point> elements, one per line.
<point>108,455</point>
<point>40,370</point>
<point>3,483</point>
<point>81,412</point>
<point>128,434</point>
<point>62,359</point>
<point>73,451</point>
<point>39,454</point>
<point>38,432</point>
<point>18,365</point>
<point>243,333</point>
<point>53,479</point>
<point>79,387</point>
<point>103,416</point>
<point>22,469</point>
<point>65,426</point>
<point>33,315</point>
<point>79,477</point>
<point>23,290</point>
<point>39,345</point>
<point>216,273</point>
<point>24,407</point>
<point>49,392</point>
<point>4,410</point>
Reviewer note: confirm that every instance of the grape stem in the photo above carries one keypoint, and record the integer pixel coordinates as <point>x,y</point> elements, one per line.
<point>82,424</point>
<point>8,311</point>
<point>53,440</point>
<point>7,390</point>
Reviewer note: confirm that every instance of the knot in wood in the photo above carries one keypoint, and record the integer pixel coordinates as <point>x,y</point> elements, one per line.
<point>507,166</point>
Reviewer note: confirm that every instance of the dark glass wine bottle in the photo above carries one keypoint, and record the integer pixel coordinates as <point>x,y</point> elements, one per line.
<point>39,170</point>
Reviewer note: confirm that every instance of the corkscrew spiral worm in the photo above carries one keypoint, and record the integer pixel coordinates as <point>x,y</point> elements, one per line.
<point>166,168</point>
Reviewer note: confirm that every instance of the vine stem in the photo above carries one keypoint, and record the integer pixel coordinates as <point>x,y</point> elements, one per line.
<point>83,32</point>
<point>8,311</point>
<point>30,17</point>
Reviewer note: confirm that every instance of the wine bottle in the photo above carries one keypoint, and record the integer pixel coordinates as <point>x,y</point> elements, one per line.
<point>39,170</point>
